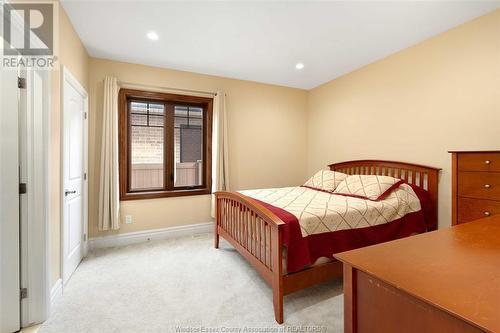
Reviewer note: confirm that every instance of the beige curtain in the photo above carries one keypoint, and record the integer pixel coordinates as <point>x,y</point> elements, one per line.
<point>109,197</point>
<point>220,164</point>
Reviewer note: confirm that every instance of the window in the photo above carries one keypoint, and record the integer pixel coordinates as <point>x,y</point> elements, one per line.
<point>165,145</point>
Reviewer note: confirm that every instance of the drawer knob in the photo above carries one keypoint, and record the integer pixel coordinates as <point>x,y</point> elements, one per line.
<point>487,213</point>
<point>487,185</point>
<point>487,162</point>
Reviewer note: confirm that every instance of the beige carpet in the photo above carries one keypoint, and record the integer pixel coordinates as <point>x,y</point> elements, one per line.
<point>183,285</point>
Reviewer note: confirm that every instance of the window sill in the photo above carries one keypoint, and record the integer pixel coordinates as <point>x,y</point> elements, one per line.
<point>163,194</point>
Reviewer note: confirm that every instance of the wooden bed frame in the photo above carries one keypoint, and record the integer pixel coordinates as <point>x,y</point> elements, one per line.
<point>255,232</point>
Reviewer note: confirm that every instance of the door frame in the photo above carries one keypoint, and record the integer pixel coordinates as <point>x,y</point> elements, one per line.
<point>68,77</point>
<point>35,228</point>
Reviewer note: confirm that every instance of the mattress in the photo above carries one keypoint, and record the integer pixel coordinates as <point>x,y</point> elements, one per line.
<point>320,211</point>
<point>322,223</point>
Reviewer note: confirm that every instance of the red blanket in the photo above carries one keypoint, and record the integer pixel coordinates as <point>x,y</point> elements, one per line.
<point>303,251</point>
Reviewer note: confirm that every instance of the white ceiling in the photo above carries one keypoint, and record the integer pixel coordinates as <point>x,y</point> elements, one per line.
<point>261,40</point>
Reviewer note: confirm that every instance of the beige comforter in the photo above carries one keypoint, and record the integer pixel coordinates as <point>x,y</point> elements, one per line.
<point>319,212</point>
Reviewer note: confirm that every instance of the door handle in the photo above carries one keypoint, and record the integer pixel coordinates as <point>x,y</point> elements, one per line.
<point>66,193</point>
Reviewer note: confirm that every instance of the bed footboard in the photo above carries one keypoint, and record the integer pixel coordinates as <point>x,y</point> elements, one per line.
<point>255,232</point>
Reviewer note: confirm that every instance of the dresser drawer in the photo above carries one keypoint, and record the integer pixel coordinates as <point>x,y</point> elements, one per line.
<point>473,209</point>
<point>481,185</point>
<point>489,162</point>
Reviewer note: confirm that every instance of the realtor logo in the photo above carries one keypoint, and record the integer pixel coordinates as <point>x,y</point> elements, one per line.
<point>29,34</point>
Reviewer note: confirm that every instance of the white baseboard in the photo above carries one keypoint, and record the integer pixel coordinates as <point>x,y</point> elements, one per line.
<point>55,292</point>
<point>147,235</point>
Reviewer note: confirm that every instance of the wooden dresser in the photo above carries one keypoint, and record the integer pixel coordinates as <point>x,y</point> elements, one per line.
<point>440,281</point>
<point>475,185</point>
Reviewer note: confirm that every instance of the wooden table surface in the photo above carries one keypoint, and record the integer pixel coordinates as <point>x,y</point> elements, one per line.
<point>455,269</point>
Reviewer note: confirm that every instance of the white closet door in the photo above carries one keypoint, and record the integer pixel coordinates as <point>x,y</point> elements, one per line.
<point>9,203</point>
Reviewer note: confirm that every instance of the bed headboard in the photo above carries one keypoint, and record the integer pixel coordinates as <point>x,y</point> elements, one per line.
<point>422,176</point>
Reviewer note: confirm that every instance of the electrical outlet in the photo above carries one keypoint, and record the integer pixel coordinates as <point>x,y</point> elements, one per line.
<point>128,219</point>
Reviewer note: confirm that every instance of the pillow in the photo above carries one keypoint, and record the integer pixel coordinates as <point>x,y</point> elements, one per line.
<point>325,180</point>
<point>370,187</point>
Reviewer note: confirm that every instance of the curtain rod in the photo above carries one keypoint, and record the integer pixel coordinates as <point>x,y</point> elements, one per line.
<point>168,88</point>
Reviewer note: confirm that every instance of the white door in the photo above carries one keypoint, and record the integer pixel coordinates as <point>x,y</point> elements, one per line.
<point>33,145</point>
<point>9,202</point>
<point>74,108</point>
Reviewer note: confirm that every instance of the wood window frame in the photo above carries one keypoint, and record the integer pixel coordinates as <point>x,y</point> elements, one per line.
<point>124,129</point>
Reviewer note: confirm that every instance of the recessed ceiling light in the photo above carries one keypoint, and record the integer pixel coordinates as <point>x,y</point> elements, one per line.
<point>299,66</point>
<point>152,35</point>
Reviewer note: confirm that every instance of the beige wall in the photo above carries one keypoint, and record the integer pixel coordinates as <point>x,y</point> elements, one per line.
<point>73,55</point>
<point>267,140</point>
<point>414,105</point>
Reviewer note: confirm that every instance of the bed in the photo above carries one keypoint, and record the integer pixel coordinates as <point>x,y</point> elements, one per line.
<point>278,244</point>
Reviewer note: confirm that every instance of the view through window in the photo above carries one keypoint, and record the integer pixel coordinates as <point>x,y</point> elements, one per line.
<point>165,144</point>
